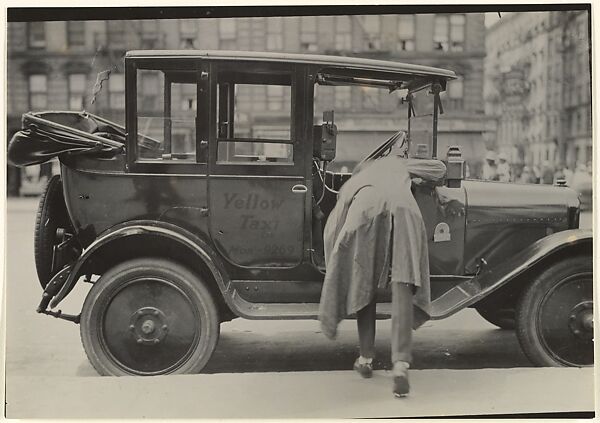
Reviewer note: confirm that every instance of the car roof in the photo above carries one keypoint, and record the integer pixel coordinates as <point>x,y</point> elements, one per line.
<point>402,71</point>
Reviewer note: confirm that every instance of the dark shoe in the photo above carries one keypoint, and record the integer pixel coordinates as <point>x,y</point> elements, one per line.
<point>400,372</point>
<point>365,370</point>
<point>401,386</point>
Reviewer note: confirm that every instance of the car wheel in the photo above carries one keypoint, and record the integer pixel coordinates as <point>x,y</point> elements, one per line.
<point>504,318</point>
<point>555,315</point>
<point>51,215</point>
<point>149,316</point>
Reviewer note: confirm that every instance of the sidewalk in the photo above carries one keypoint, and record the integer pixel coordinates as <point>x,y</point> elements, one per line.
<point>22,204</point>
<point>334,394</point>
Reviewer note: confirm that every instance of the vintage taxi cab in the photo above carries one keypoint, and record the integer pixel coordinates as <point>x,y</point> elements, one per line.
<point>191,214</point>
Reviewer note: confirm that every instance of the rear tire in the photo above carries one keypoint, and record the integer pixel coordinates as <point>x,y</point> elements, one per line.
<point>149,316</point>
<point>51,215</point>
<point>555,315</point>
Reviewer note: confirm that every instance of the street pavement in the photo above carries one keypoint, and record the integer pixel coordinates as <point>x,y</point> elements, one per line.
<point>462,365</point>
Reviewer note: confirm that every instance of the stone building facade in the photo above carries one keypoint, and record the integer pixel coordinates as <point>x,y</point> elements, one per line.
<point>54,65</point>
<point>538,87</point>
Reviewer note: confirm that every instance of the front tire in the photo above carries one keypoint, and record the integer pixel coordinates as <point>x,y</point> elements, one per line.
<point>147,317</point>
<point>555,315</point>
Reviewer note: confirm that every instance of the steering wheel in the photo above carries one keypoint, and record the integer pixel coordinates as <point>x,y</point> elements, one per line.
<point>386,148</point>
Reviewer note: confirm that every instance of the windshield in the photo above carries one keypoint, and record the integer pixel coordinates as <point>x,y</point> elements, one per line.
<point>358,139</point>
<point>421,125</point>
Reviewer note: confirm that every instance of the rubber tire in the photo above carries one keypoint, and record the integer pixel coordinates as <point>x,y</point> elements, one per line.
<point>51,215</point>
<point>497,317</point>
<point>530,300</point>
<point>186,280</point>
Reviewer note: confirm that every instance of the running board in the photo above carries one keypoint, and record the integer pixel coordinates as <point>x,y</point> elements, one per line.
<point>289,311</point>
<point>452,301</point>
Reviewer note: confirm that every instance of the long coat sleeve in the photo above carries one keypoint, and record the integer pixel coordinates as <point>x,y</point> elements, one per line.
<point>374,231</point>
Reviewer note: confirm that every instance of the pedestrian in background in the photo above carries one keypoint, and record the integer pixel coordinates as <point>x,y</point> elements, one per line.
<point>490,169</point>
<point>503,168</point>
<point>568,174</point>
<point>537,174</point>
<point>547,173</point>
<point>376,226</point>
<point>581,175</point>
<point>527,176</point>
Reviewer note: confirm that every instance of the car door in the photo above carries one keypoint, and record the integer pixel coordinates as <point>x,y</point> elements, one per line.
<point>257,187</point>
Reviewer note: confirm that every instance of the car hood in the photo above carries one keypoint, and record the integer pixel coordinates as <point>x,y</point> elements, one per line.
<point>528,198</point>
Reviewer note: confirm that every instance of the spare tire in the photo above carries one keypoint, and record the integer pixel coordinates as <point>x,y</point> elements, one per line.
<point>51,215</point>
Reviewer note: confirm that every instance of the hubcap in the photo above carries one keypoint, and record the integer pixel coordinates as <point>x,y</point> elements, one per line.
<point>581,320</point>
<point>565,321</point>
<point>150,326</point>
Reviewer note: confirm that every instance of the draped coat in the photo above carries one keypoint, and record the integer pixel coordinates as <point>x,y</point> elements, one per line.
<point>375,236</point>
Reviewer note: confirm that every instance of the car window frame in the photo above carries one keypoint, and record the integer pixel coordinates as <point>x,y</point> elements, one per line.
<point>298,132</point>
<point>134,164</point>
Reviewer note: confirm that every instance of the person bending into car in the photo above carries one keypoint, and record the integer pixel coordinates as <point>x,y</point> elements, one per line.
<point>376,225</point>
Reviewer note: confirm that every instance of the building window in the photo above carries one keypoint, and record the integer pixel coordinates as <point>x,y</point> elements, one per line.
<point>227,29</point>
<point>275,97</point>
<point>275,33</point>
<point>457,32</point>
<point>188,31</point>
<point>150,88</point>
<point>116,91</point>
<point>116,33</point>
<point>343,97</point>
<point>440,34</point>
<point>38,91</point>
<point>76,34</point>
<point>36,35</point>
<point>189,103</point>
<point>77,82</point>
<point>455,93</point>
<point>372,31</point>
<point>456,89</point>
<point>149,28</point>
<point>406,33</point>
<point>343,33</point>
<point>149,35</point>
<point>188,27</point>
<point>449,33</point>
<point>370,98</point>
<point>308,33</point>
<point>227,34</point>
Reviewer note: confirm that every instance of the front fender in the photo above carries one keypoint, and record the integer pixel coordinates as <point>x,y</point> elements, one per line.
<point>160,229</point>
<point>490,279</point>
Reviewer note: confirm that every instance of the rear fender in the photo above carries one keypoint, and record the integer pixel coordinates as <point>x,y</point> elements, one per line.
<point>546,250</point>
<point>157,229</point>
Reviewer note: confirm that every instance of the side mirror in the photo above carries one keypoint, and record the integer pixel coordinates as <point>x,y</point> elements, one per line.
<point>324,138</point>
<point>455,167</point>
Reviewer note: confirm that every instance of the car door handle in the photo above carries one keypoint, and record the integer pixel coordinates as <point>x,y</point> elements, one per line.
<point>299,189</point>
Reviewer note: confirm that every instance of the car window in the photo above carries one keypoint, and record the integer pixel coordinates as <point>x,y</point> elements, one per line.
<point>166,116</point>
<point>245,135</point>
